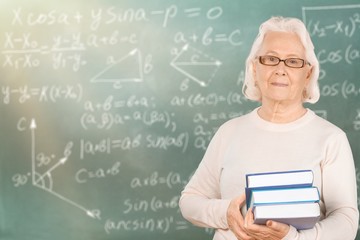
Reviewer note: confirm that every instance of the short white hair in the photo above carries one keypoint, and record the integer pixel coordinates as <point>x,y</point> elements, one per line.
<point>293,25</point>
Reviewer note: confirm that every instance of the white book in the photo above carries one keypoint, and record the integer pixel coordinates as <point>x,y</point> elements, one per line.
<point>283,195</point>
<point>276,179</point>
<point>285,179</point>
<point>299,215</point>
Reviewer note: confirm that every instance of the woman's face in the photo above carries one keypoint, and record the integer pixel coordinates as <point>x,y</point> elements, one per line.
<point>281,83</point>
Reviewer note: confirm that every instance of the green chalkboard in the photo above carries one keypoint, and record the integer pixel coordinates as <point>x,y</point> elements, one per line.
<point>107,106</point>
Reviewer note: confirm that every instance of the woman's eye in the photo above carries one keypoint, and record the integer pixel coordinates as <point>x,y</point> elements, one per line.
<point>272,59</point>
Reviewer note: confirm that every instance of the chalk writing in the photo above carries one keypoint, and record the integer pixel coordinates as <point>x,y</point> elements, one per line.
<point>46,93</point>
<point>161,225</point>
<point>107,108</point>
<point>211,99</point>
<point>170,180</point>
<point>345,89</point>
<point>84,175</point>
<point>106,120</point>
<point>349,55</point>
<point>347,27</point>
<point>154,205</point>
<point>189,56</point>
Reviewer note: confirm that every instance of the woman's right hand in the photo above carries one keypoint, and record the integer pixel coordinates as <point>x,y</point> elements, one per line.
<point>235,219</point>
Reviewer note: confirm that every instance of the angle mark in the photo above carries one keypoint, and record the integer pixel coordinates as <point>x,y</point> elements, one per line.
<point>48,172</point>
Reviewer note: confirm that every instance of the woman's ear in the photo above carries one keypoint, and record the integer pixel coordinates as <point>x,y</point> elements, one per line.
<point>309,74</point>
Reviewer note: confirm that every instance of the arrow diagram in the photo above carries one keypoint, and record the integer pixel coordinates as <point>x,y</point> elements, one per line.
<point>196,65</point>
<point>39,180</point>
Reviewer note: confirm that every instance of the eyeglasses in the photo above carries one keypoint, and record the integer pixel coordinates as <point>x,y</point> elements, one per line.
<point>290,62</point>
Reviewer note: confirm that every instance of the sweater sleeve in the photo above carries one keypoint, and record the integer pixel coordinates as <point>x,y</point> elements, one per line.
<point>339,193</point>
<point>200,201</point>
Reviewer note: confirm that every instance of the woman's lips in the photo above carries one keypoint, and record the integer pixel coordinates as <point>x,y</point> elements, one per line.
<point>277,84</point>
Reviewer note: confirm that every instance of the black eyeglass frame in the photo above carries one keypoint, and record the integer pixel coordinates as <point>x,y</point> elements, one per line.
<point>282,60</point>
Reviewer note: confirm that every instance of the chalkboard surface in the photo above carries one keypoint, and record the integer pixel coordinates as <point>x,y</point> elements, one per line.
<point>107,106</point>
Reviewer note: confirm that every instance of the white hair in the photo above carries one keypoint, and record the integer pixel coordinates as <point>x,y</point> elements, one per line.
<point>293,25</point>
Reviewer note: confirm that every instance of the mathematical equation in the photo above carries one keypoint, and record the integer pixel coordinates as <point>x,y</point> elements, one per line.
<point>47,93</point>
<point>347,27</point>
<point>149,141</point>
<point>350,55</point>
<point>111,15</point>
<point>24,49</point>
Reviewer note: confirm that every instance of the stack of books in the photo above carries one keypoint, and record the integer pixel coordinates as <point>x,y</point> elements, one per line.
<point>288,197</point>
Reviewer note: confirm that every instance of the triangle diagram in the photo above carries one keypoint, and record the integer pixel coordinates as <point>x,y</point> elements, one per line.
<point>126,69</point>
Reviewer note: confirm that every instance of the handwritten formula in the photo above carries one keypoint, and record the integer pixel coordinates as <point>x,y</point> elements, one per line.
<point>107,107</point>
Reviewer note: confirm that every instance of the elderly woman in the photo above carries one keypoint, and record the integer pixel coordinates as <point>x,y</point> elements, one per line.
<point>281,73</point>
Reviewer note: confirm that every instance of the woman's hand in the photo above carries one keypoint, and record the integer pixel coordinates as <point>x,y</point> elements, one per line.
<point>271,231</point>
<point>236,220</point>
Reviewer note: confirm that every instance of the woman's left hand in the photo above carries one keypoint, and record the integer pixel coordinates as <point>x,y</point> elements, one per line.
<point>271,231</point>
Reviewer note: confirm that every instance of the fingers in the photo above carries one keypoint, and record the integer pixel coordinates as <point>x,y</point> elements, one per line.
<point>251,228</point>
<point>236,220</point>
<point>249,218</point>
<point>278,227</point>
<point>271,231</point>
<point>240,233</point>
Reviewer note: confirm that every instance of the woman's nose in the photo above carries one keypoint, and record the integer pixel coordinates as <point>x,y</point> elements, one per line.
<point>280,69</point>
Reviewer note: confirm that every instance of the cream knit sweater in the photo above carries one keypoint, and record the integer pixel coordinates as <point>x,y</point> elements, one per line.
<point>249,144</point>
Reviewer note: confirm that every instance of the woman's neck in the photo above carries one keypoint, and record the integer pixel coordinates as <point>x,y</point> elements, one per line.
<point>281,113</point>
